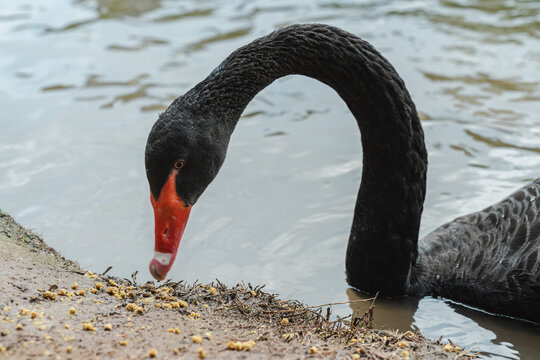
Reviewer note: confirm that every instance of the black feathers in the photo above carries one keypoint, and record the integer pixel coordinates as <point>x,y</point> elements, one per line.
<point>488,259</point>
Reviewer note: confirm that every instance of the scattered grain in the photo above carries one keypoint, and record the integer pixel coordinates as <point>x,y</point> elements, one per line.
<point>49,295</point>
<point>194,315</point>
<point>197,339</point>
<point>402,344</point>
<point>88,326</point>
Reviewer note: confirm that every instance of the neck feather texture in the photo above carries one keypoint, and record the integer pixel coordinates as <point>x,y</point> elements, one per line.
<point>383,240</point>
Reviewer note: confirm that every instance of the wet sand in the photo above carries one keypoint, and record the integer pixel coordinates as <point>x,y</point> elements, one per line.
<point>51,309</point>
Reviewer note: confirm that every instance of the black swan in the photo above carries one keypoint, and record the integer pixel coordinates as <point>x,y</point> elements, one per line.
<point>488,259</point>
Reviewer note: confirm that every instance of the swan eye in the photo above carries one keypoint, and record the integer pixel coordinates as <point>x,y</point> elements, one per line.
<point>179,164</point>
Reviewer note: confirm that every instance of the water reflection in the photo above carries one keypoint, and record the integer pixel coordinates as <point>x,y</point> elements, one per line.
<point>107,9</point>
<point>502,20</point>
<point>510,338</point>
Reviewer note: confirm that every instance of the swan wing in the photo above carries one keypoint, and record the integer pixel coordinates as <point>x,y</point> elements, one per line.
<point>488,258</point>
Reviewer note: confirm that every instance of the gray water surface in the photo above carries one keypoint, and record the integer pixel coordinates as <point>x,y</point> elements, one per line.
<point>82,81</point>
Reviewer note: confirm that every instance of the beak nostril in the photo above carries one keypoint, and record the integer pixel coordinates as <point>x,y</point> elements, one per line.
<point>166,231</point>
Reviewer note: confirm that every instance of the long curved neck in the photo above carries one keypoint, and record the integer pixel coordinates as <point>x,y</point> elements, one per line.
<point>383,241</point>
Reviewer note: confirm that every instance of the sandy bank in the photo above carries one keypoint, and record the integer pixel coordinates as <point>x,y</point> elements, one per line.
<point>51,309</point>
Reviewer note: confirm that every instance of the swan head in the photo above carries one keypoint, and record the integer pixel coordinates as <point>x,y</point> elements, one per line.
<point>184,153</point>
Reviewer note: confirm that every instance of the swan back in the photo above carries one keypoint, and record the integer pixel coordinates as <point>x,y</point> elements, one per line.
<point>488,258</point>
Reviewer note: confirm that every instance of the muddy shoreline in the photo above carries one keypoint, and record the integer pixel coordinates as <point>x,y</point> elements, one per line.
<point>51,309</point>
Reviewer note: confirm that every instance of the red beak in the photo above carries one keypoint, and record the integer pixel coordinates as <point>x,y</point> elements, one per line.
<point>171,215</point>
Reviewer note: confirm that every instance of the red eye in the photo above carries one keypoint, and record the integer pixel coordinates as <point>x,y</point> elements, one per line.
<point>179,164</point>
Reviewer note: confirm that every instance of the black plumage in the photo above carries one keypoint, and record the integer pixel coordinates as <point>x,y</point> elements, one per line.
<point>488,259</point>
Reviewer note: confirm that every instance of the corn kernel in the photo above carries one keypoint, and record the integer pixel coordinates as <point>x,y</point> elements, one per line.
<point>194,315</point>
<point>49,295</point>
<point>403,344</point>
<point>24,311</point>
<point>88,326</point>
<point>197,339</point>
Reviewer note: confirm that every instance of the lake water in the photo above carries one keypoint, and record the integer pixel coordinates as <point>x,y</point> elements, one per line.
<point>82,81</point>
